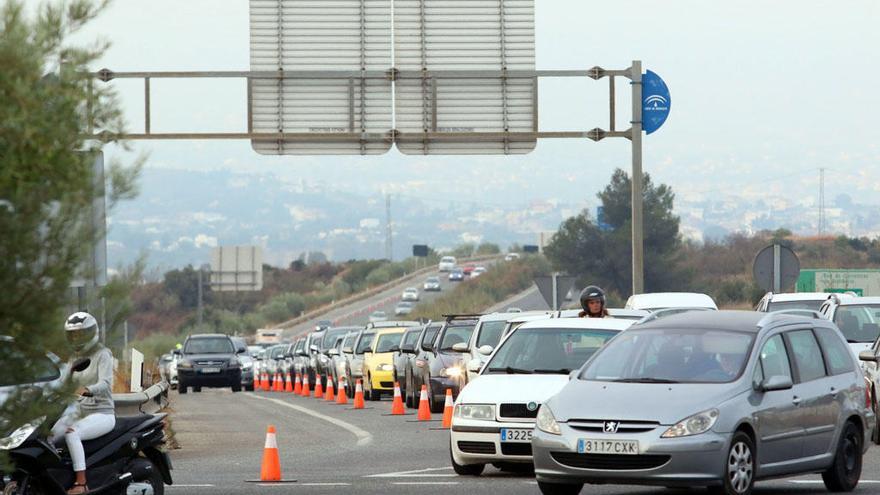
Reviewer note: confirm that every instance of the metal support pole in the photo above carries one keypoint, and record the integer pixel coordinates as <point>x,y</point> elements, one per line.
<point>777,277</point>
<point>555,292</point>
<point>200,306</point>
<point>638,253</point>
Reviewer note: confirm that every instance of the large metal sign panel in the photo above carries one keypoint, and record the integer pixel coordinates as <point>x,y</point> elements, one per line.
<point>335,113</point>
<point>237,268</point>
<point>464,35</point>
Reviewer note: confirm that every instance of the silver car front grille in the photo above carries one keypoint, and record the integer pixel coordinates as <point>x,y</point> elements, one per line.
<point>612,426</point>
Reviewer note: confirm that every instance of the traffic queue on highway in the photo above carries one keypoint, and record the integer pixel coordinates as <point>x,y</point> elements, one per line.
<point>667,391</point>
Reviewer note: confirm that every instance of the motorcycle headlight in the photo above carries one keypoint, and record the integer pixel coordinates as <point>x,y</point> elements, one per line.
<point>480,412</point>
<point>546,422</point>
<point>17,437</point>
<point>694,425</point>
<point>385,367</point>
<point>453,372</point>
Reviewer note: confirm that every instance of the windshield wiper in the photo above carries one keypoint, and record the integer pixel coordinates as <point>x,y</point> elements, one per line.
<point>511,371</point>
<point>644,379</point>
<point>560,371</point>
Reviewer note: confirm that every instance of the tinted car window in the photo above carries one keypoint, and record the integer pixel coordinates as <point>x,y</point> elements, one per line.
<point>410,337</point>
<point>208,346</point>
<point>330,337</point>
<point>807,355</point>
<point>349,340</point>
<point>430,335</point>
<point>774,359</point>
<point>837,353</point>
<point>490,333</point>
<point>387,341</point>
<point>365,343</point>
<point>456,335</point>
<point>786,305</point>
<point>858,322</point>
<point>673,355</point>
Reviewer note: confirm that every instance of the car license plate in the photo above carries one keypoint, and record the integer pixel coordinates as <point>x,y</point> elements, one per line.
<point>621,447</point>
<point>516,435</point>
<point>210,370</point>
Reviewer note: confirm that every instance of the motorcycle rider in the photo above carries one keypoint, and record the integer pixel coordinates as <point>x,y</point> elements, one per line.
<point>593,302</point>
<point>93,414</point>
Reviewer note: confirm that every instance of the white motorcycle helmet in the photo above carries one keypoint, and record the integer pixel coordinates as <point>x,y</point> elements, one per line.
<point>81,330</point>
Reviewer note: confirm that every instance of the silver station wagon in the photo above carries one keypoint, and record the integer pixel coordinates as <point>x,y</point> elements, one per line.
<point>716,399</point>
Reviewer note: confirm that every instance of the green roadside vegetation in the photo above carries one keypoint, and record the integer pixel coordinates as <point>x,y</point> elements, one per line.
<point>501,281</point>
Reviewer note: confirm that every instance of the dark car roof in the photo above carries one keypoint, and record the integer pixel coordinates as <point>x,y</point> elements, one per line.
<point>734,321</point>
<point>208,336</point>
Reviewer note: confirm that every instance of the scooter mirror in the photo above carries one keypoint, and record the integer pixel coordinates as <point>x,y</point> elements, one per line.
<point>81,364</point>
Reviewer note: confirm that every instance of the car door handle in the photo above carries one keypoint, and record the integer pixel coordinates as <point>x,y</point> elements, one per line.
<point>796,400</point>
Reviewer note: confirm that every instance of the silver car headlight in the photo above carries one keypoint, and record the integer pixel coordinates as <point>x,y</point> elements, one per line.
<point>17,437</point>
<point>479,412</point>
<point>385,367</point>
<point>694,425</point>
<point>546,422</point>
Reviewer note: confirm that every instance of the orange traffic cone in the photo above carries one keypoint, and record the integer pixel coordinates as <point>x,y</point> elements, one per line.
<point>424,407</point>
<point>341,395</point>
<point>279,383</point>
<point>297,385</point>
<point>328,395</point>
<point>306,392</point>
<point>288,383</point>
<point>397,404</point>
<point>256,381</point>
<point>271,469</point>
<point>447,410</point>
<point>358,395</point>
<point>319,389</point>
<point>264,382</point>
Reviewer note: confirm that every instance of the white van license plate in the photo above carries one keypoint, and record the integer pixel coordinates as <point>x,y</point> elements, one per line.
<point>210,370</point>
<point>516,435</point>
<point>621,447</point>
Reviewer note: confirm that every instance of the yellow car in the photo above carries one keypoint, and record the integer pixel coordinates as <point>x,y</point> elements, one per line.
<point>379,363</point>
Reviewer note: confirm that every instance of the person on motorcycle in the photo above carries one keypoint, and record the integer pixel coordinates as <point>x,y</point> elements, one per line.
<point>93,414</point>
<point>593,302</point>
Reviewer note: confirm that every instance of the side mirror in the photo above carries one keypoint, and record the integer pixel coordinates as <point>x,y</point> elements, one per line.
<point>486,350</point>
<point>776,383</point>
<point>367,351</point>
<point>868,356</point>
<point>241,350</point>
<point>474,365</point>
<point>302,353</point>
<point>394,348</point>
<point>408,349</point>
<point>347,350</point>
<point>314,348</point>
<point>333,352</point>
<point>573,375</point>
<point>176,352</point>
<point>427,347</point>
<point>81,364</point>
<point>460,347</point>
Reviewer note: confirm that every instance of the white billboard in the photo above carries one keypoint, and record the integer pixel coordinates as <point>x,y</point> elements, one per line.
<point>321,36</point>
<point>237,268</point>
<point>465,35</point>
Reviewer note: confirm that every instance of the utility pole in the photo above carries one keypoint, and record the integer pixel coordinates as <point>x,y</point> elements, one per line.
<point>388,230</point>
<point>638,253</point>
<point>821,201</point>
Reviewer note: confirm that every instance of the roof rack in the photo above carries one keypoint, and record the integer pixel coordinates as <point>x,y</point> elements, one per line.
<point>463,316</point>
<point>805,313</point>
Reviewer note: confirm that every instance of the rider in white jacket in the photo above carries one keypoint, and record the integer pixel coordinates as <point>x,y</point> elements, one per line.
<point>93,414</point>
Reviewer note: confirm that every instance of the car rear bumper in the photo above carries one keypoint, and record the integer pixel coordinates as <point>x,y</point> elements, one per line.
<point>679,462</point>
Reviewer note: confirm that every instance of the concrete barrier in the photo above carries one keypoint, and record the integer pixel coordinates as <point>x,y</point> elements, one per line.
<point>150,401</point>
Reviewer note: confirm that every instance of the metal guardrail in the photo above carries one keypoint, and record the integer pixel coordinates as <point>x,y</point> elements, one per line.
<point>150,401</point>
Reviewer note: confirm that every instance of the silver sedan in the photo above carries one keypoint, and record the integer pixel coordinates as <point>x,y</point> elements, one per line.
<point>716,399</point>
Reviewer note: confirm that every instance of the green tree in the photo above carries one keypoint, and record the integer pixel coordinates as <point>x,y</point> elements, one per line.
<point>184,284</point>
<point>605,257</point>
<point>487,248</point>
<point>47,105</point>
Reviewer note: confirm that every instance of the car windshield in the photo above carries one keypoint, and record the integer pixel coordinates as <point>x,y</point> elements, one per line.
<point>365,343</point>
<point>786,305</point>
<point>386,341</point>
<point>858,322</point>
<point>378,313</point>
<point>672,356</point>
<point>404,304</point>
<point>448,259</point>
<point>490,333</point>
<point>42,369</point>
<point>455,335</point>
<point>208,346</point>
<point>548,350</point>
<point>277,352</point>
<point>433,280</point>
<point>330,337</point>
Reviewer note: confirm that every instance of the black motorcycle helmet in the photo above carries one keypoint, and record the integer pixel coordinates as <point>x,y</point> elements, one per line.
<point>592,293</point>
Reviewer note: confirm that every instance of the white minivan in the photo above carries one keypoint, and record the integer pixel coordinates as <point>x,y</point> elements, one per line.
<point>447,263</point>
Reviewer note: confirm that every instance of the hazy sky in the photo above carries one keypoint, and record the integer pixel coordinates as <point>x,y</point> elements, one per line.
<point>764,93</point>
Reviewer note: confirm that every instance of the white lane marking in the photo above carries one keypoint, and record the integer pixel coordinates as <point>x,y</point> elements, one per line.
<point>325,484</point>
<point>811,482</point>
<point>424,482</point>
<point>364,437</point>
<point>415,473</point>
<point>190,486</point>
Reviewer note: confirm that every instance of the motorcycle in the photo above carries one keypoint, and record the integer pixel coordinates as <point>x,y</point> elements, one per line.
<point>128,460</point>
